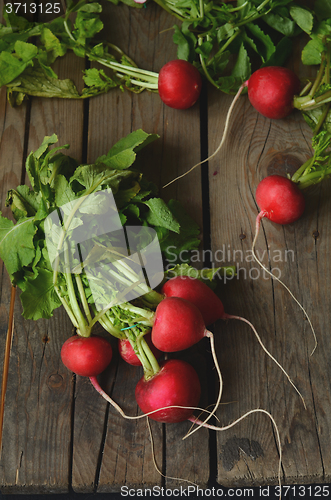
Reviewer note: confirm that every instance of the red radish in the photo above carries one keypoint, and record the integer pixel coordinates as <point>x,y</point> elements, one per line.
<point>178,324</point>
<point>179,84</point>
<point>86,356</point>
<point>199,294</point>
<point>127,352</point>
<point>176,384</point>
<point>279,199</point>
<point>271,91</point>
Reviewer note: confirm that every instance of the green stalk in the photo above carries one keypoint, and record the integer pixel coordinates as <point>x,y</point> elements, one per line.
<point>67,224</point>
<point>319,77</point>
<point>201,6</point>
<point>148,316</point>
<point>148,369</point>
<point>205,70</point>
<point>253,17</point>
<point>172,11</point>
<point>234,9</point>
<point>146,352</point>
<point>83,297</point>
<point>84,329</point>
<point>106,323</point>
<point>313,178</point>
<point>114,302</point>
<point>150,77</point>
<point>225,46</point>
<point>66,307</point>
<point>153,297</point>
<point>143,359</point>
<point>296,176</point>
<point>321,119</point>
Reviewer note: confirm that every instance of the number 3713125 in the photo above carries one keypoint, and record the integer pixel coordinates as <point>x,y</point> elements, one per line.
<point>33,8</point>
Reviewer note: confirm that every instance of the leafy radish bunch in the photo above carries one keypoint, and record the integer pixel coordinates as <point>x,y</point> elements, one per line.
<point>178,83</point>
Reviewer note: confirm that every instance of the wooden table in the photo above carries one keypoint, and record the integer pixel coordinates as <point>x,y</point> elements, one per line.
<point>58,432</point>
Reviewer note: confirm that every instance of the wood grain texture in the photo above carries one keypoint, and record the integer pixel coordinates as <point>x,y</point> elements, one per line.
<point>36,455</point>
<point>58,432</point>
<point>262,147</point>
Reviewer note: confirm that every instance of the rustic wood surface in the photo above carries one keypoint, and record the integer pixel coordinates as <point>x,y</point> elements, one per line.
<point>59,434</point>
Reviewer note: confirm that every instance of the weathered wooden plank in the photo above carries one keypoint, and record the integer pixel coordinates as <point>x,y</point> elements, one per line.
<point>90,416</point>
<point>255,147</point>
<point>38,415</point>
<point>11,161</point>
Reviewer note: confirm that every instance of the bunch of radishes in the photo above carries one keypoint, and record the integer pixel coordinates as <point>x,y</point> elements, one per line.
<point>170,391</point>
<point>177,325</point>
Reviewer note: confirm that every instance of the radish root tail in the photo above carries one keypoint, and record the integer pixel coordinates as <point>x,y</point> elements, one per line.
<point>225,428</point>
<point>225,131</point>
<point>212,346</point>
<point>154,458</point>
<point>102,393</point>
<point>257,229</point>
<point>230,316</point>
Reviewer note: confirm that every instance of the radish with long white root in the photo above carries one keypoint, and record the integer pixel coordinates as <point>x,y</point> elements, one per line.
<point>176,384</point>
<point>275,92</point>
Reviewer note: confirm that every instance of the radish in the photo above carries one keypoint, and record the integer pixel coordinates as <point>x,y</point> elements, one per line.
<point>197,293</point>
<point>127,352</point>
<point>176,384</point>
<point>190,295</point>
<point>178,324</point>
<point>86,356</point>
<point>179,84</point>
<point>281,201</point>
<point>271,92</point>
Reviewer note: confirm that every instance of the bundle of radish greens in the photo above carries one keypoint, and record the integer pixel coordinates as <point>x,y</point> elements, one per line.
<point>220,39</point>
<point>64,219</point>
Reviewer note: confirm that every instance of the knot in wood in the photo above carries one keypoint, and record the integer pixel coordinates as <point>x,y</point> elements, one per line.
<point>283,164</point>
<point>55,381</point>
